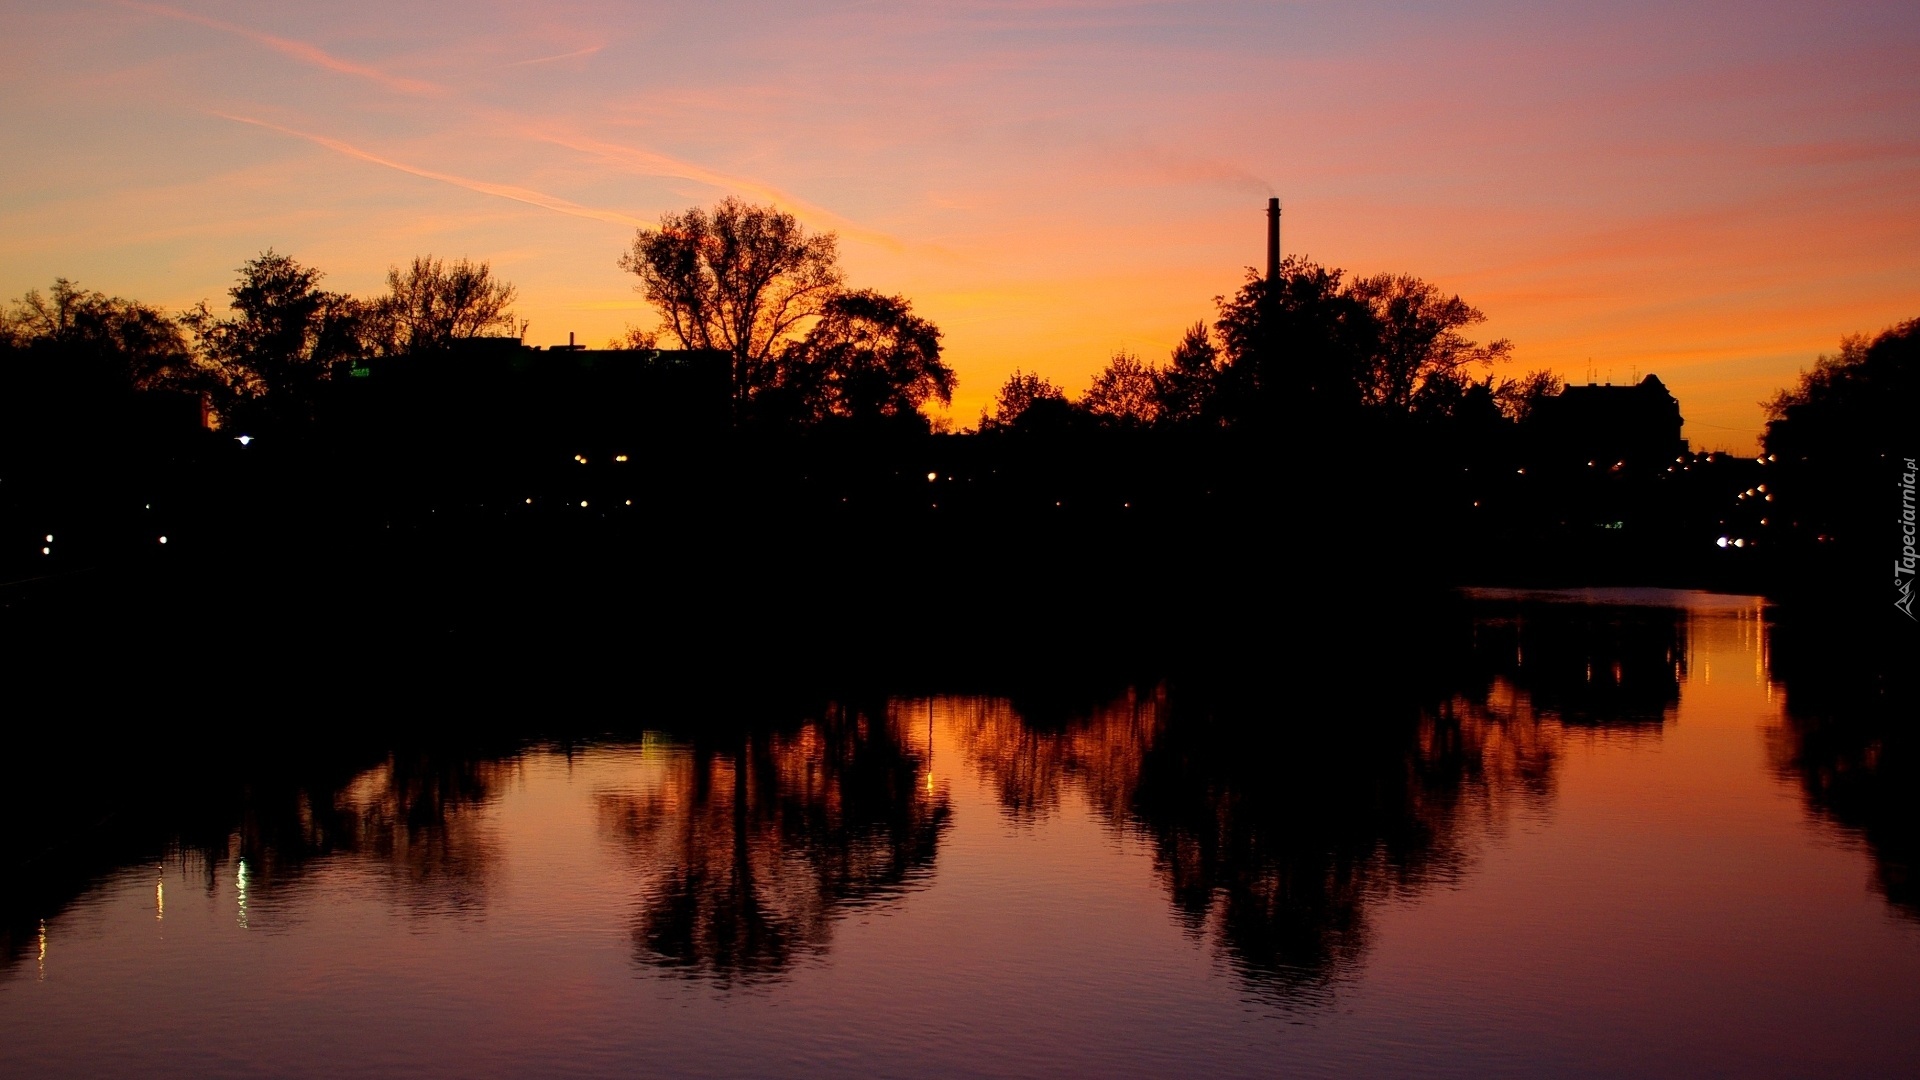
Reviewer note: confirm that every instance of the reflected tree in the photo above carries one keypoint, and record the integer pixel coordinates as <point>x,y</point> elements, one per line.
<point>1846,739</point>
<point>1274,835</point>
<point>750,845</point>
<point>417,818</point>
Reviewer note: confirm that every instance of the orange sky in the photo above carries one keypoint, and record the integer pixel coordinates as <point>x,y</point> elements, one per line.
<point>1714,195</point>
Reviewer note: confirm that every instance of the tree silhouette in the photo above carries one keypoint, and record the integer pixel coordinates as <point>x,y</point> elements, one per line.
<point>1124,393</point>
<point>1417,338</point>
<point>431,305</point>
<point>1839,438</point>
<point>870,357</point>
<point>1518,398</point>
<point>1457,396</point>
<point>1853,401</point>
<point>1188,386</point>
<point>283,340</point>
<point>95,344</point>
<point>1027,401</point>
<point>75,361</point>
<point>1294,346</point>
<point>740,279</point>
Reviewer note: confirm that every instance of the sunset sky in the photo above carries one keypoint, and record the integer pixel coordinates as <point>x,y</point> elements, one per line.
<point>1714,193</point>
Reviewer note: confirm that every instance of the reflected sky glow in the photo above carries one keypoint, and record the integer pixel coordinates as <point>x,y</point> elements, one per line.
<point>1581,854</point>
<point>1714,194</point>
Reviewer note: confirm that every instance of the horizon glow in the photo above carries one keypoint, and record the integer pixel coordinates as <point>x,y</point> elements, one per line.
<point>1715,195</point>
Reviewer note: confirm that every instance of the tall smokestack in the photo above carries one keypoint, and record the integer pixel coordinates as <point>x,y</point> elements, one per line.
<point>1273,240</point>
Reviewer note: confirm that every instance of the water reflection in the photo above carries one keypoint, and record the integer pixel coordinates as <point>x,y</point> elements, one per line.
<point>1612,666</point>
<point>1846,738</point>
<point>418,819</point>
<point>1273,832</point>
<point>750,842</point>
<point>1279,816</point>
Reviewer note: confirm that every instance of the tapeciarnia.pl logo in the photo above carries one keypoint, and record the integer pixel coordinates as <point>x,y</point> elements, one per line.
<point>1904,565</point>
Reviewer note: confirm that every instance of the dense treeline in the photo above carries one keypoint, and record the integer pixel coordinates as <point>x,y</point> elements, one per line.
<point>1307,348</point>
<point>72,352</point>
<point>1313,405</point>
<point>805,349</point>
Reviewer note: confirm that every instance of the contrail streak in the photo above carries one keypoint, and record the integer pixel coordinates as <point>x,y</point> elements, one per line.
<point>299,50</point>
<point>588,51</point>
<point>503,191</point>
<point>657,164</point>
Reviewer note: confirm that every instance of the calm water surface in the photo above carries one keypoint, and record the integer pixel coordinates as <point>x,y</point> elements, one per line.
<point>1607,846</point>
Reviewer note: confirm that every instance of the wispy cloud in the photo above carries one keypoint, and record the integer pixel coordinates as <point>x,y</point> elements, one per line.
<point>299,50</point>
<point>588,51</point>
<point>503,191</point>
<point>653,163</point>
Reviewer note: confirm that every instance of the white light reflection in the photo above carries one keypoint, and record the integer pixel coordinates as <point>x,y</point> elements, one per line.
<point>43,950</point>
<point>240,889</point>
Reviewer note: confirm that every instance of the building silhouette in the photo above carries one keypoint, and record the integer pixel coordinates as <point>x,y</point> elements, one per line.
<point>500,390</point>
<point>1609,425</point>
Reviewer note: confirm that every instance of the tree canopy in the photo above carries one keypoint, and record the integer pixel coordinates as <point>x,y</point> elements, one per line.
<point>1027,401</point>
<point>1853,401</point>
<point>431,305</point>
<point>283,339</point>
<point>1311,344</point>
<point>1416,338</point>
<point>1125,394</point>
<point>90,342</point>
<point>741,279</point>
<point>870,357</point>
<point>1188,386</point>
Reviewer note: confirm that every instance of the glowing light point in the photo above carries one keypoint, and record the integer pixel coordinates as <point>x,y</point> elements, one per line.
<point>245,440</point>
<point>1722,542</point>
<point>931,477</point>
<point>619,457</point>
<point>49,538</point>
<point>583,504</point>
<point>163,539</point>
